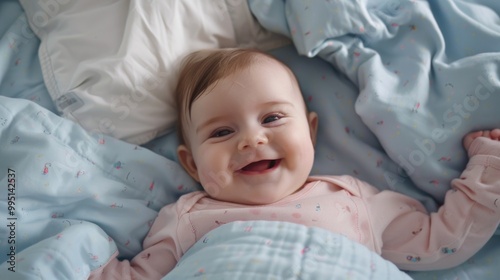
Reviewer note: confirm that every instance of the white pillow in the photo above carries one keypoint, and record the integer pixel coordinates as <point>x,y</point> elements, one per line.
<point>111,65</point>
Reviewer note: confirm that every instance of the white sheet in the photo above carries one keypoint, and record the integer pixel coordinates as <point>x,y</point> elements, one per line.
<point>111,65</point>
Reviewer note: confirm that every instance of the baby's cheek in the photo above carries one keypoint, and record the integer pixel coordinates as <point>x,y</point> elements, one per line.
<point>306,160</point>
<point>303,152</point>
<point>214,182</point>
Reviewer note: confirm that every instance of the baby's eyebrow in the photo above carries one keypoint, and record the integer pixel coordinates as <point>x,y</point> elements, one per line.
<point>281,102</point>
<point>209,122</point>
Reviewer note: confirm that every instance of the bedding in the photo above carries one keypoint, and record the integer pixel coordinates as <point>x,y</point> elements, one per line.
<point>111,65</point>
<point>82,196</point>
<point>422,79</point>
<point>20,71</point>
<point>280,251</point>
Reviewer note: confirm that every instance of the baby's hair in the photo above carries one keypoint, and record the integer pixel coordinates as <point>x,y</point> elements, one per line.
<point>200,72</point>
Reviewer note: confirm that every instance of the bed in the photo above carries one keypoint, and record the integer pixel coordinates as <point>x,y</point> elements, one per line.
<point>87,136</point>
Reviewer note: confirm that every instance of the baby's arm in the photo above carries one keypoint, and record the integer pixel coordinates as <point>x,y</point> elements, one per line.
<point>158,258</point>
<point>415,240</point>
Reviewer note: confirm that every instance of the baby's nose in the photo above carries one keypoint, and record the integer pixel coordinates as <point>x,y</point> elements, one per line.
<point>252,140</point>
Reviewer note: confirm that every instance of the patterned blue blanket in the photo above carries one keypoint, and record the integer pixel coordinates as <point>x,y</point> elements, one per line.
<point>386,75</point>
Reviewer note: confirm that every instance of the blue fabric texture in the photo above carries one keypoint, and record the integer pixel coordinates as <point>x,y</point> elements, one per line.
<point>419,79</point>
<point>385,72</point>
<point>64,176</point>
<point>280,250</point>
<point>20,72</point>
<point>396,85</point>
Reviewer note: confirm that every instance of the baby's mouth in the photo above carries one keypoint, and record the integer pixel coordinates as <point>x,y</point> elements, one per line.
<point>261,165</point>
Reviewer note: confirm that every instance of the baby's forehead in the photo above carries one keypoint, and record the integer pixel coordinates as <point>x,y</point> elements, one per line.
<point>261,62</point>
<point>261,71</point>
<point>230,76</point>
<point>261,81</point>
<point>262,59</point>
<point>267,64</point>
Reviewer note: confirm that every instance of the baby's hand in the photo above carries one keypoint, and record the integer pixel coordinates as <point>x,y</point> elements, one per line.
<point>484,136</point>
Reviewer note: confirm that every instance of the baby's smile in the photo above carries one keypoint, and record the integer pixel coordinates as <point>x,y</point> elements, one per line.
<point>261,166</point>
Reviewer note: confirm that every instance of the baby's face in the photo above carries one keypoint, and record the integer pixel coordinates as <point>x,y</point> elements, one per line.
<point>250,137</point>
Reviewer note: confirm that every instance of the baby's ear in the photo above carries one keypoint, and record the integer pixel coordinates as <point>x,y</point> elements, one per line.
<point>187,161</point>
<point>312,118</point>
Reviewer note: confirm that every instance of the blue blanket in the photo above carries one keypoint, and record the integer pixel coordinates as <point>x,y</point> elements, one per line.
<point>420,76</point>
<point>62,176</point>
<point>396,85</point>
<point>71,199</point>
<point>20,72</point>
<point>60,181</point>
<point>280,250</point>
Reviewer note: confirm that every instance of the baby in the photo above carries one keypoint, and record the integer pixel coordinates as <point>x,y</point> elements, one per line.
<point>248,138</point>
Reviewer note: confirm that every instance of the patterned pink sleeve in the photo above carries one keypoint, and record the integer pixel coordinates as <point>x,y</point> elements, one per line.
<point>415,240</point>
<point>159,256</point>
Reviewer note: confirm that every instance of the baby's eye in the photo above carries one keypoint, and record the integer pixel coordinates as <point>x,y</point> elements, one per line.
<point>220,133</point>
<point>272,118</point>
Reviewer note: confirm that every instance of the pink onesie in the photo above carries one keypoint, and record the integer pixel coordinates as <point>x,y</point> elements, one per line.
<point>389,223</point>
